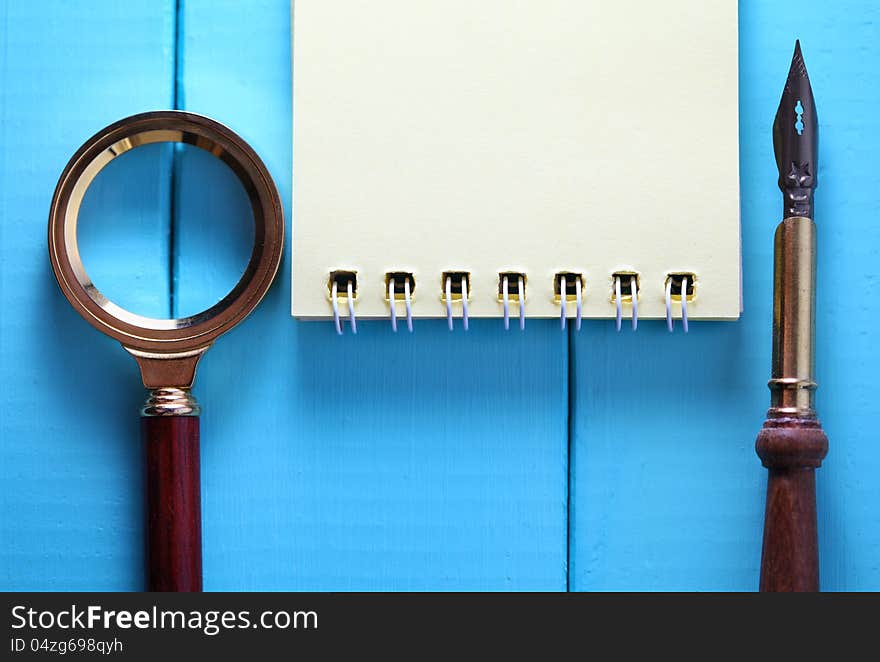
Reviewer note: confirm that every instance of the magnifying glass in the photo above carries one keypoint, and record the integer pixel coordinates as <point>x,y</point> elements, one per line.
<point>168,350</point>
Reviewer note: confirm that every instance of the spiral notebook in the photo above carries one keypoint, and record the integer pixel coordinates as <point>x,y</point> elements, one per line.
<point>497,158</point>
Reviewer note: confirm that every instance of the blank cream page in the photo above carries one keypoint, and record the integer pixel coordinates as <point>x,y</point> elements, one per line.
<point>525,136</point>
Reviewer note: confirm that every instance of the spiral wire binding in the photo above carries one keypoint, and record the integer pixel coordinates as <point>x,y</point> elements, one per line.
<point>562,298</point>
<point>684,304</point>
<point>505,289</point>
<point>670,324</point>
<point>352,321</point>
<point>408,301</point>
<point>633,287</point>
<point>449,303</point>
<point>334,300</point>
<point>522,304</point>
<point>617,297</point>
<point>505,297</point>
<point>619,304</point>
<point>464,303</point>
<point>335,304</point>
<point>391,305</point>
<point>563,301</point>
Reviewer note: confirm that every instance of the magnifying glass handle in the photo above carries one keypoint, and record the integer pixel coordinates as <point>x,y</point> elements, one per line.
<point>174,521</point>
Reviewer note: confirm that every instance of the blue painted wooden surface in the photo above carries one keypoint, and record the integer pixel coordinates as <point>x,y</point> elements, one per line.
<point>437,461</point>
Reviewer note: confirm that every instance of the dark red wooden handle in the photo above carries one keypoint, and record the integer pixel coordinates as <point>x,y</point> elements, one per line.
<point>174,520</point>
<point>791,450</point>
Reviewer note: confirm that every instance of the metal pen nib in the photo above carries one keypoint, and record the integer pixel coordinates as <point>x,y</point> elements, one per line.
<point>796,140</point>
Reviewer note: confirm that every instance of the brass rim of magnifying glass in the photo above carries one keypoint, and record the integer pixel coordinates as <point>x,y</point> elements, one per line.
<point>150,338</point>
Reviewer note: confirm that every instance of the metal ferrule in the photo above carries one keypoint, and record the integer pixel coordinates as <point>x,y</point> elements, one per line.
<point>794,286</point>
<point>170,401</point>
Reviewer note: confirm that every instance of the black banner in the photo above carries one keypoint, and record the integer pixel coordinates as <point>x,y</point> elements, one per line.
<point>396,625</point>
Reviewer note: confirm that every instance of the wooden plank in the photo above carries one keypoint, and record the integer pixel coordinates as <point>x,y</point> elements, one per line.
<point>70,461</point>
<point>667,491</point>
<point>376,461</point>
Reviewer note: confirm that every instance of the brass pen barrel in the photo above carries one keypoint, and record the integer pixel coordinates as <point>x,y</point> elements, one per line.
<point>792,443</point>
<point>792,381</point>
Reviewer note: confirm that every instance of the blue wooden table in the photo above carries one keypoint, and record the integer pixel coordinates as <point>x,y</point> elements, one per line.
<point>547,460</point>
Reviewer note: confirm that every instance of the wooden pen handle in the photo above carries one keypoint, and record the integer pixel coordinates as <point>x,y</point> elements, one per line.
<point>174,522</point>
<point>792,450</point>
